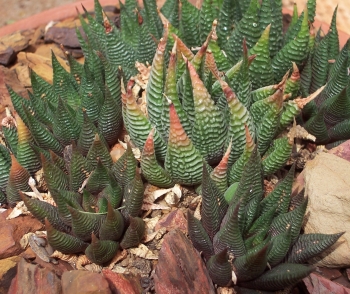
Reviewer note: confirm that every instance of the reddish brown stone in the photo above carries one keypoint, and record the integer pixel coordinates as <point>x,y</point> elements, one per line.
<point>58,269</point>
<point>317,284</point>
<point>65,36</point>
<point>121,284</point>
<point>342,281</point>
<point>343,150</point>
<point>11,232</point>
<point>7,55</point>
<point>329,273</point>
<point>173,220</point>
<point>31,278</point>
<point>84,282</point>
<point>180,268</point>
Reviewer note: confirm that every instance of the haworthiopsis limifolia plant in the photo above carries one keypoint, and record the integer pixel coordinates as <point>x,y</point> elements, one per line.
<point>225,82</point>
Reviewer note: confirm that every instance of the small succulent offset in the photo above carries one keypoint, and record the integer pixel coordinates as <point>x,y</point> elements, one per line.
<point>257,238</point>
<point>209,114</point>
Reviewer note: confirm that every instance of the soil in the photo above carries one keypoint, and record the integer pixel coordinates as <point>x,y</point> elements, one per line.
<point>19,9</point>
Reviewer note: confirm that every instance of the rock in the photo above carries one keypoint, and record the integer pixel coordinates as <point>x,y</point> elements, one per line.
<point>342,281</point>
<point>7,272</point>
<point>348,273</point>
<point>343,150</point>
<point>173,220</point>
<point>58,269</point>
<point>8,77</point>
<point>327,186</point>
<point>7,55</point>
<point>84,282</point>
<point>23,74</point>
<point>40,61</point>
<point>8,244</point>
<point>62,35</point>
<point>11,232</point>
<point>121,284</point>
<point>329,273</point>
<point>18,41</point>
<point>180,268</point>
<point>31,278</point>
<point>316,284</point>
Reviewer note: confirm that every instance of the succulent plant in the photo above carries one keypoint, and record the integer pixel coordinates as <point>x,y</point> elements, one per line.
<point>210,109</point>
<point>255,237</point>
<point>95,201</point>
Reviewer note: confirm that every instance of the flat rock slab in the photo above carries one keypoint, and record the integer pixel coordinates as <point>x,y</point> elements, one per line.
<point>84,282</point>
<point>180,269</point>
<point>328,188</point>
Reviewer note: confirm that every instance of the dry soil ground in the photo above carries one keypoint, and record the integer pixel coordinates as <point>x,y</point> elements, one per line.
<point>15,10</point>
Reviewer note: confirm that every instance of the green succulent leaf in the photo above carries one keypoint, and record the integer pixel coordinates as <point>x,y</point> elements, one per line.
<point>248,28</point>
<point>42,210</point>
<point>279,247</point>
<point>17,181</point>
<point>292,219</point>
<point>262,60</point>
<point>139,126</point>
<point>124,168</point>
<point>5,165</point>
<point>199,236</point>
<point>280,277</point>
<point>26,154</point>
<point>113,226</point>
<point>133,197</point>
<point>214,205</point>
<point>98,179</point>
<point>310,245</point>
<point>83,223</point>
<point>189,19</point>
<point>251,265</point>
<point>183,161</point>
<point>219,268</point>
<point>151,170</point>
<point>101,251</point>
<point>294,51</point>
<point>63,242</point>
<point>229,236</point>
<point>134,233</point>
<point>11,138</point>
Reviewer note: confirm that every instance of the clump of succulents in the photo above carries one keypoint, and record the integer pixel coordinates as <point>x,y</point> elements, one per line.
<point>97,202</point>
<point>224,84</point>
<point>254,236</point>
